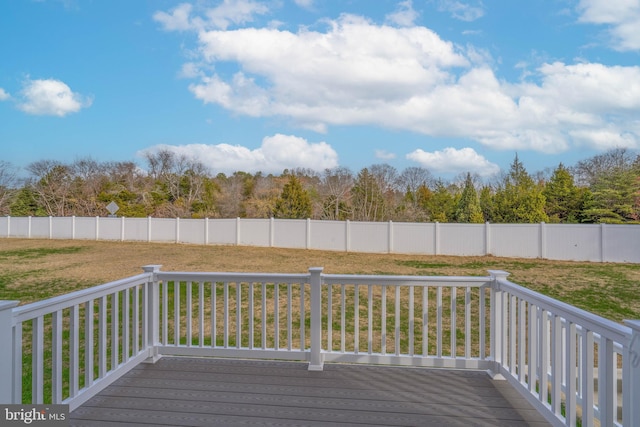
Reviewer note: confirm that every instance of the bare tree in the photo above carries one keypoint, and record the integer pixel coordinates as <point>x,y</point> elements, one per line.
<point>51,182</point>
<point>8,184</point>
<point>335,187</point>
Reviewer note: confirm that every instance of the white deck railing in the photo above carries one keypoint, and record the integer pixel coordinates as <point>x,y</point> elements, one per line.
<point>570,364</point>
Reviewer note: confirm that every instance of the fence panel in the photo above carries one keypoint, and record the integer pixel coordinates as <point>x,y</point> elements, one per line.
<point>85,228</point>
<point>329,235</point>
<point>515,240</point>
<point>192,231</point>
<point>462,239</point>
<point>621,243</point>
<point>222,231</point>
<point>572,242</point>
<point>412,238</point>
<point>290,233</point>
<point>62,227</point>
<point>369,237</point>
<point>255,232</point>
<point>163,230</point>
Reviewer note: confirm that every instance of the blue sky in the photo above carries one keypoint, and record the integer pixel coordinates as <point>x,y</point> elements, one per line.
<point>253,85</point>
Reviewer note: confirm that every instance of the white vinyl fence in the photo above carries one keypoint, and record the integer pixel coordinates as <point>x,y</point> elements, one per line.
<point>575,242</point>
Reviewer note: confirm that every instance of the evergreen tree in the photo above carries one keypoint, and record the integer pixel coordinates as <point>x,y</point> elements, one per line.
<point>294,201</point>
<point>563,200</point>
<point>519,199</point>
<point>442,203</point>
<point>614,197</point>
<point>468,207</point>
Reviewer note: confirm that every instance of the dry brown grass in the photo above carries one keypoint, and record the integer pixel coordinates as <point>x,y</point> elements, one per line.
<point>34,269</point>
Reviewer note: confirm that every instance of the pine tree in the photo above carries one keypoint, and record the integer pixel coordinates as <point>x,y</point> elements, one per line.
<point>294,201</point>
<point>563,200</point>
<point>519,199</point>
<point>468,207</point>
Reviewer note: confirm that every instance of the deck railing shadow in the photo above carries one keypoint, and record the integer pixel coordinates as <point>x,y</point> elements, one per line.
<point>573,366</point>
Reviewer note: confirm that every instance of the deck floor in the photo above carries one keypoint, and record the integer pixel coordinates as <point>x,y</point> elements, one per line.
<point>223,392</point>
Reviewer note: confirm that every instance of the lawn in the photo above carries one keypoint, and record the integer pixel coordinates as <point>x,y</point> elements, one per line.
<point>31,270</point>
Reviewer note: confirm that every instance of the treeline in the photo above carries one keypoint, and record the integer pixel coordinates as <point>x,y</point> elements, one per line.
<point>604,188</point>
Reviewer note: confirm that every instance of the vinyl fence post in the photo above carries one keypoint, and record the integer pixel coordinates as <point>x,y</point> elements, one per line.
<point>7,351</point>
<point>631,377</point>
<point>315,280</point>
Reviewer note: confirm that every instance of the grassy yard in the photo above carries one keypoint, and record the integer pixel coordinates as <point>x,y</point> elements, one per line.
<point>31,270</point>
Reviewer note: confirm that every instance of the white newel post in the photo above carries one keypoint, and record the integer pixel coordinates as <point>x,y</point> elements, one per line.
<point>497,322</point>
<point>631,373</point>
<point>153,313</point>
<point>7,351</point>
<point>315,361</point>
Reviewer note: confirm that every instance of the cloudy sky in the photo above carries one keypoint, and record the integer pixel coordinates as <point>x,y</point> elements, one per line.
<point>264,85</point>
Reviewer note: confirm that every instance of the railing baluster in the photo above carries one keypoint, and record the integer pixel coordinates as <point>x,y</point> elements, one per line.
<point>482,323</point>
<point>607,382</point>
<point>37,362</point>
<point>303,317</point>
<point>189,313</point>
<point>176,313</point>
<point>356,319</point>
<point>74,345</point>
<point>522,343</point>
<point>214,314</point>
<point>439,321</point>
<point>165,313</point>
<point>88,343</point>
<point>556,376</point>
<point>251,315</point>
<point>126,325</point>
<point>570,374</point>
<point>383,327</point>
<point>276,316</point>
<point>411,320</point>
<point>533,344</point>
<point>467,323</point>
<point>343,302</point>
<point>370,319</point>
<point>225,318</point>
<point>396,328</point>
<point>135,336</point>
<point>545,352</point>
<point>264,315</point>
<point>102,336</point>
<point>115,325</point>
<point>56,357</point>
<point>587,378</point>
<point>17,363</point>
<point>329,318</point>
<point>513,334</point>
<point>238,314</point>
<point>425,321</point>
<point>201,313</point>
<point>453,323</point>
<point>289,334</point>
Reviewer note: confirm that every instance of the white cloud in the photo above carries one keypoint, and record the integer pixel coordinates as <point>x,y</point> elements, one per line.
<point>463,10</point>
<point>51,97</point>
<point>404,16</point>
<point>276,153</point>
<point>306,4</point>
<point>4,95</point>
<point>355,72</point>
<point>227,13</point>
<point>454,161</point>
<point>621,16</point>
<point>384,155</point>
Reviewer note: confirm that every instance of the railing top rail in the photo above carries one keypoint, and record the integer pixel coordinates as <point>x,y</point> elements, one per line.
<point>51,305</point>
<point>232,277</point>
<point>356,279</point>
<point>605,327</point>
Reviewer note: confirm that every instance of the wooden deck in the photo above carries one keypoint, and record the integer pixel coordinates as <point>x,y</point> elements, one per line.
<point>224,392</point>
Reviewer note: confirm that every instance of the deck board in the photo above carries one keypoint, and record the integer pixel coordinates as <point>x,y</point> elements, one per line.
<point>223,392</point>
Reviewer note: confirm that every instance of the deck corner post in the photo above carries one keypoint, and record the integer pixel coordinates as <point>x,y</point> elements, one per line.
<point>7,352</point>
<point>152,327</point>
<point>631,373</point>
<point>496,323</point>
<point>315,280</point>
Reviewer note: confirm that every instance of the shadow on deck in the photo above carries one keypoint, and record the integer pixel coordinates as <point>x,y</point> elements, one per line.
<point>224,392</point>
